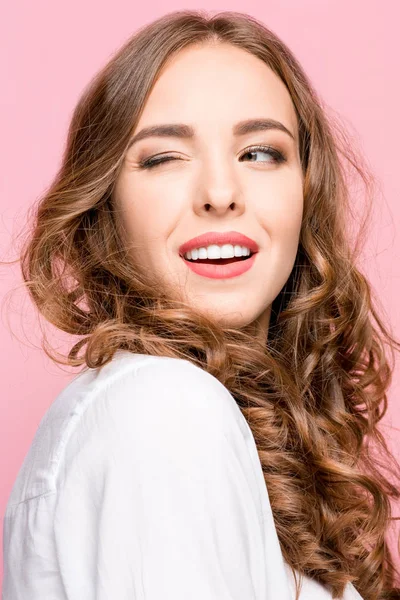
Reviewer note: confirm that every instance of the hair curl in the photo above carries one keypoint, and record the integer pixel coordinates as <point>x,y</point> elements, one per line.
<point>315,393</point>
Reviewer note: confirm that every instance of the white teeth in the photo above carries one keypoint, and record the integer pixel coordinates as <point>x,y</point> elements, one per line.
<point>215,251</point>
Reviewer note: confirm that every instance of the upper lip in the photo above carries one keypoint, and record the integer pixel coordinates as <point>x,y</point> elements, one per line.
<point>219,238</point>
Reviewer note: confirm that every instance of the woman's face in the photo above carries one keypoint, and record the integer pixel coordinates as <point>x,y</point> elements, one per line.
<point>216,183</point>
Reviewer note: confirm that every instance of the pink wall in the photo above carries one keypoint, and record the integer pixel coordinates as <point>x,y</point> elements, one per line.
<point>51,49</point>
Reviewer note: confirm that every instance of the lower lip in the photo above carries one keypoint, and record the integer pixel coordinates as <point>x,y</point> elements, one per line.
<point>221,271</point>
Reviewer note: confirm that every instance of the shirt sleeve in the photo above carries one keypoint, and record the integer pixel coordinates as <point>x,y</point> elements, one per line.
<point>156,493</point>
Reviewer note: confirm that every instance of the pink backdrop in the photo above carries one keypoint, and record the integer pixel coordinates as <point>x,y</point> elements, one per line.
<point>50,50</point>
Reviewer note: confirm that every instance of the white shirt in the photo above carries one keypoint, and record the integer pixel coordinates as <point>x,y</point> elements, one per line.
<point>143,482</point>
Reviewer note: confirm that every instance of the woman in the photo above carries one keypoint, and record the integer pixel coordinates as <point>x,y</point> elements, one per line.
<point>214,446</point>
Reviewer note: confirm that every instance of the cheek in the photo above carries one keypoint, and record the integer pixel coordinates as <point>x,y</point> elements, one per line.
<point>148,212</point>
<point>280,207</point>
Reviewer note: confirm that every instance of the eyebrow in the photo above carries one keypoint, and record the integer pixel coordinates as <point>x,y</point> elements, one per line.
<point>181,130</point>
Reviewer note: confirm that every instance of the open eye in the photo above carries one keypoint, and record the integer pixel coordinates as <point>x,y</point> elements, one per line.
<point>277,157</point>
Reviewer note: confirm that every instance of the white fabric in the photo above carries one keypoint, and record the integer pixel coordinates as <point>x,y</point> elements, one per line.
<point>143,482</point>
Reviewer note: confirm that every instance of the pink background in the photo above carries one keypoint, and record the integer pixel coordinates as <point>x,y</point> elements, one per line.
<point>50,50</point>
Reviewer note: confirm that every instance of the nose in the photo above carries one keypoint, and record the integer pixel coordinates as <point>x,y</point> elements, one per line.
<point>219,188</point>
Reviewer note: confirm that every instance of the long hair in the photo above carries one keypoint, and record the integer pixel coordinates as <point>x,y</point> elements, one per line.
<point>314,394</point>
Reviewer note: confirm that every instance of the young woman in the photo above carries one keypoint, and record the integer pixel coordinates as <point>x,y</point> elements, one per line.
<point>217,443</point>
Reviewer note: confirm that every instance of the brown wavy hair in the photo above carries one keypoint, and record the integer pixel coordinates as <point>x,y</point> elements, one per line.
<point>314,394</point>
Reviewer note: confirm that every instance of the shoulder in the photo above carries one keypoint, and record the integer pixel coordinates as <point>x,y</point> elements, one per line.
<point>135,384</point>
<point>168,384</point>
<point>131,396</point>
<point>143,405</point>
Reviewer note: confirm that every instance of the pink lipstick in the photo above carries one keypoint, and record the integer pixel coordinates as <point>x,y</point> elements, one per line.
<point>220,268</point>
<point>219,238</point>
<point>222,271</point>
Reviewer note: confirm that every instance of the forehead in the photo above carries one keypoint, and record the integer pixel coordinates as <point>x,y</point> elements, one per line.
<point>217,84</point>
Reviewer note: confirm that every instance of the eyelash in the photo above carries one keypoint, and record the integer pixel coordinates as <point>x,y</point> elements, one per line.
<point>279,157</point>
